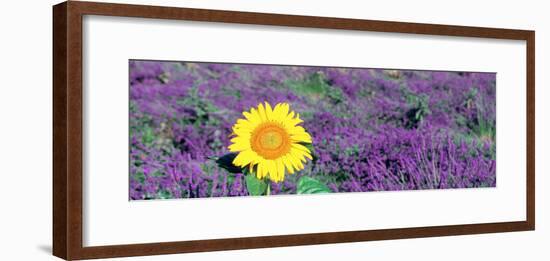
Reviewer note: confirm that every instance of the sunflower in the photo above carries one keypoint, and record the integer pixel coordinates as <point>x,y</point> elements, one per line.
<point>269,140</point>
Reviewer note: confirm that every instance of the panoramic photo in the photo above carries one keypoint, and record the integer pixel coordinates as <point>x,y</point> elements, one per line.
<point>202,129</point>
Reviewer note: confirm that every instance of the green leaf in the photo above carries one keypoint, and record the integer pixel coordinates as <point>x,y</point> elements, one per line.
<point>164,194</point>
<point>308,185</point>
<point>140,177</point>
<point>255,186</point>
<point>226,162</point>
<point>148,135</point>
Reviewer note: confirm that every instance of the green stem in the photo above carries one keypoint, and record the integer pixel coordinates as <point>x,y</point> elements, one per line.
<point>268,191</point>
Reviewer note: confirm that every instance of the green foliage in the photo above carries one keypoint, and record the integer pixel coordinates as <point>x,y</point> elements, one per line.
<point>233,92</point>
<point>139,176</point>
<point>255,186</point>
<point>142,125</point>
<point>472,94</point>
<point>204,109</point>
<point>164,77</point>
<point>421,105</point>
<point>133,107</point>
<point>485,129</point>
<point>164,194</point>
<point>148,135</point>
<point>157,173</point>
<point>482,130</point>
<point>316,87</point>
<point>419,109</point>
<point>308,185</point>
<point>352,151</point>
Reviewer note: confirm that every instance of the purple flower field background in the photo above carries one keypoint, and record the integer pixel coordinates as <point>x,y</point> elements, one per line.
<point>372,129</point>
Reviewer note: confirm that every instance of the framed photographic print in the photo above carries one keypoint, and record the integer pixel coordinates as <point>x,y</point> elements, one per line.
<point>186,130</point>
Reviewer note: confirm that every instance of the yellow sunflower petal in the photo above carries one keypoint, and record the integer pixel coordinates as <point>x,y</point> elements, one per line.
<point>288,164</point>
<point>285,107</point>
<point>236,147</point>
<point>290,115</point>
<point>268,111</point>
<point>296,130</point>
<point>242,141</point>
<point>300,147</point>
<point>261,112</point>
<point>304,137</point>
<point>298,154</point>
<point>243,132</point>
<point>275,115</point>
<point>295,162</point>
<point>243,123</point>
<point>306,155</point>
<point>295,121</point>
<point>244,158</point>
<point>280,169</point>
<point>272,169</point>
<point>260,170</point>
<point>253,118</point>
<point>280,112</point>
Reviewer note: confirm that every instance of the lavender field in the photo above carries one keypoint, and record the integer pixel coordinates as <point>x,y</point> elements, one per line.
<point>371,129</point>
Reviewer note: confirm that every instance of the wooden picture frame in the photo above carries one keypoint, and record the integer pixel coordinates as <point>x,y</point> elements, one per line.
<point>68,118</point>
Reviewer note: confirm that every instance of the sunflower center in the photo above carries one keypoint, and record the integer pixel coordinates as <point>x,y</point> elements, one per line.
<point>270,140</point>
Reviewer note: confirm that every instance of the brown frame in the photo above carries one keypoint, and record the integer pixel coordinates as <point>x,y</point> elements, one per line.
<point>67,129</point>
